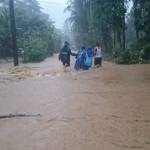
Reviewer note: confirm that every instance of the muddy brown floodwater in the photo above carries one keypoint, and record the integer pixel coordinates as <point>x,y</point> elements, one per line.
<point>99,109</point>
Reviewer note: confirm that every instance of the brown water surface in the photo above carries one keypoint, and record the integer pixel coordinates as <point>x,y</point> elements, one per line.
<point>99,109</point>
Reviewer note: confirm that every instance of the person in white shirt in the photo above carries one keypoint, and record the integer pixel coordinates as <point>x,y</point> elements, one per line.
<point>98,55</point>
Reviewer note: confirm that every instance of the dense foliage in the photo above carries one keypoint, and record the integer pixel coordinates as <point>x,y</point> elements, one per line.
<point>124,36</point>
<point>37,37</point>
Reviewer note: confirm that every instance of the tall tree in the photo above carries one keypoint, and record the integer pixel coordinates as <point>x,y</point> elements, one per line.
<point>36,34</point>
<point>100,19</point>
<point>13,32</point>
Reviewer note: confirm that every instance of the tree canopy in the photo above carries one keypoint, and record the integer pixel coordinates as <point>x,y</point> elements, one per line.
<point>36,34</point>
<point>109,22</point>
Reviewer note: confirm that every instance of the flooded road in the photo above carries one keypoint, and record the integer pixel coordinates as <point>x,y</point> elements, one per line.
<point>99,109</point>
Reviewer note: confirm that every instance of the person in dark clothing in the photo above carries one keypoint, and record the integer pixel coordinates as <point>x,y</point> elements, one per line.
<point>64,55</point>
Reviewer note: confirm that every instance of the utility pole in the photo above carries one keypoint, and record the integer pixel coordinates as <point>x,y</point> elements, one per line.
<point>13,32</point>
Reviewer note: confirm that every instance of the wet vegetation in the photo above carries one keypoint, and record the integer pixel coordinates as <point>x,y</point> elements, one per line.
<point>124,33</point>
<point>122,27</point>
<point>37,36</point>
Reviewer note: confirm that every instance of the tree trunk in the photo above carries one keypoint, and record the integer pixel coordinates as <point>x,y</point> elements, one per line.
<point>119,40</point>
<point>114,40</point>
<point>13,32</point>
<point>123,29</point>
<point>137,35</point>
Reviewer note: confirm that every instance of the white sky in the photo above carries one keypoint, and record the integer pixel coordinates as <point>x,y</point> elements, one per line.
<point>55,1</point>
<point>55,8</point>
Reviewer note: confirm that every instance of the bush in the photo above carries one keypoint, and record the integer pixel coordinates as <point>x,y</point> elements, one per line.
<point>129,56</point>
<point>122,57</point>
<point>34,55</point>
<point>145,53</point>
<point>133,55</point>
<point>33,49</point>
<point>37,46</point>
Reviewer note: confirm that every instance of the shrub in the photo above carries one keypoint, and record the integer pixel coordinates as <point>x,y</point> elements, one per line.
<point>37,46</point>
<point>125,57</point>
<point>34,55</point>
<point>145,53</point>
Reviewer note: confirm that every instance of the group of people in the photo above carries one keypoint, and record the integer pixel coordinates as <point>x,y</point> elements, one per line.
<point>84,57</point>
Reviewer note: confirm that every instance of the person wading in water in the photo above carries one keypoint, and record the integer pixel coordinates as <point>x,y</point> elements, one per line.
<point>64,55</point>
<point>98,56</point>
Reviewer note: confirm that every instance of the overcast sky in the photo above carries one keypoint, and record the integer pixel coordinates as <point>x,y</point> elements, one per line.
<point>55,8</point>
